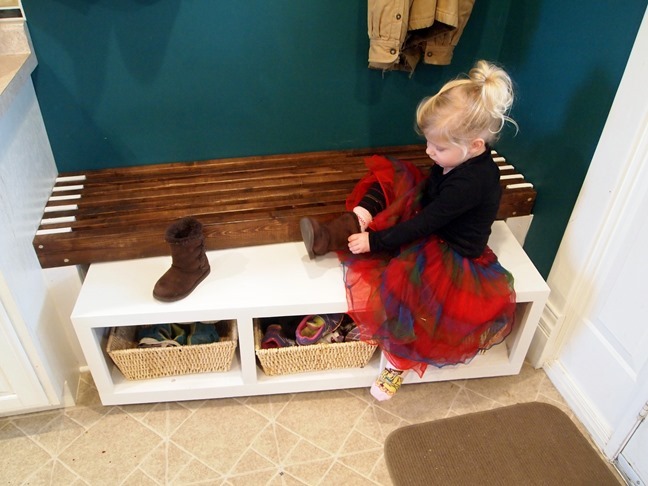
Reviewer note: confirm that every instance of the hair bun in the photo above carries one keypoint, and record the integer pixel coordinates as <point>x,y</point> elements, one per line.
<point>475,105</point>
<point>481,72</point>
<point>496,89</point>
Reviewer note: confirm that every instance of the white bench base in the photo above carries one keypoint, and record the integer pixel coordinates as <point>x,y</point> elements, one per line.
<point>266,281</point>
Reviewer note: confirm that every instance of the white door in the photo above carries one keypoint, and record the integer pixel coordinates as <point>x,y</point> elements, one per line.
<point>632,460</point>
<point>613,326</point>
<point>20,389</point>
<point>599,281</point>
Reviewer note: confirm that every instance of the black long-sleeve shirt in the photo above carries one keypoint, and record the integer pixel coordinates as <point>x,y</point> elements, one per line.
<point>459,207</point>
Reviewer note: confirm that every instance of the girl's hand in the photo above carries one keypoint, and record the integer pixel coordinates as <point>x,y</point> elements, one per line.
<point>359,243</point>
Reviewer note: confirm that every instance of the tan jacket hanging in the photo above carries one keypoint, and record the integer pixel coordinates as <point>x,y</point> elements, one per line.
<point>401,31</point>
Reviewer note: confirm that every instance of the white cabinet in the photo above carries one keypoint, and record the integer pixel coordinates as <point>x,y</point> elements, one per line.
<point>36,361</point>
<point>19,385</point>
<point>265,281</point>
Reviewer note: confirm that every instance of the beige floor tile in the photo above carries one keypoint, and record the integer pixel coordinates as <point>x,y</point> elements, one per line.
<point>165,462</point>
<point>270,477</point>
<point>312,439</point>
<point>341,474</point>
<point>288,480</point>
<point>251,461</point>
<point>87,395</point>
<point>138,478</point>
<point>33,423</point>
<point>304,451</point>
<point>154,465</point>
<point>58,434</point>
<point>53,473</point>
<point>377,423</point>
<point>195,472</point>
<point>20,456</point>
<point>509,390</point>
<point>110,450</point>
<point>323,418</point>
<point>87,416</point>
<point>192,404</point>
<point>269,406</point>
<point>560,404</point>
<point>265,443</point>
<point>310,473</point>
<point>219,432</point>
<point>358,442</point>
<point>165,418</point>
<point>422,402</point>
<point>380,473</point>
<point>362,462</point>
<point>286,441</point>
<point>468,401</point>
<point>140,410</point>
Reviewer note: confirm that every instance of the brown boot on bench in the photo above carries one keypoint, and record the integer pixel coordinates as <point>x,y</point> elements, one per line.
<point>320,238</point>
<point>189,263</point>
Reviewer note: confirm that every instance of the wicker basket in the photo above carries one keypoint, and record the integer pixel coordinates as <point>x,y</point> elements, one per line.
<point>315,357</point>
<point>146,363</point>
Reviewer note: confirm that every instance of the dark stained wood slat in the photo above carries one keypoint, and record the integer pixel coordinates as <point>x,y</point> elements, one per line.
<point>226,212</point>
<point>406,152</point>
<point>123,213</point>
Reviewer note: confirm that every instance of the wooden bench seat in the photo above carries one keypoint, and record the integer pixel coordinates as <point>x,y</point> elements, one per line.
<point>118,214</point>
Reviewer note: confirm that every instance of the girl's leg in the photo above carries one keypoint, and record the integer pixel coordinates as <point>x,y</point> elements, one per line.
<point>320,238</point>
<point>370,205</point>
<point>388,382</point>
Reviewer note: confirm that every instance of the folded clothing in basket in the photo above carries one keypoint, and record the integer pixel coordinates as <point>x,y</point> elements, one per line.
<point>173,334</point>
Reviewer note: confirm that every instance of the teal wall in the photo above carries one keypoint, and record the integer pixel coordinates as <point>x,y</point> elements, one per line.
<point>567,60</point>
<point>130,82</point>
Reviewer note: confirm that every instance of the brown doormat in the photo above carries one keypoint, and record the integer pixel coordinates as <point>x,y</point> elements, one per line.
<point>524,444</point>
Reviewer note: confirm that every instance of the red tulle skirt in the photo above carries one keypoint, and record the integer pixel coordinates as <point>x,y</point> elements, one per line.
<point>427,304</point>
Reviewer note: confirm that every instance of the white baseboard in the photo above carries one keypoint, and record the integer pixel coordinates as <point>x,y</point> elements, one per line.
<point>599,430</point>
<point>69,394</point>
<point>535,356</point>
<point>542,349</point>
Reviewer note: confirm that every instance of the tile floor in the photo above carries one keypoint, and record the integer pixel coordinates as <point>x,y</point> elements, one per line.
<point>319,438</point>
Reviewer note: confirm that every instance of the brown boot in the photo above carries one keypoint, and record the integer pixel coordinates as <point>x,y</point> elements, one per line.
<point>320,238</point>
<point>189,263</point>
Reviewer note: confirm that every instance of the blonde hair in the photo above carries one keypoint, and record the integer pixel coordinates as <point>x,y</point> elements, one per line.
<point>469,108</point>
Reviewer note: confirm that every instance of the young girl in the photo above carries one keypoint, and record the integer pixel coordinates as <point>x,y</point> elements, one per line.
<point>420,278</point>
